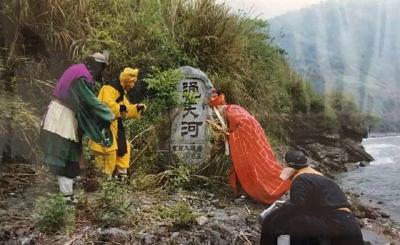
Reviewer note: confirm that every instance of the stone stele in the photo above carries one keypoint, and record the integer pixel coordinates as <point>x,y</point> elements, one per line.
<point>189,135</point>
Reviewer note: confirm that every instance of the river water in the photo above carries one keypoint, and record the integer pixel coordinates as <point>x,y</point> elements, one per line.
<point>379,183</point>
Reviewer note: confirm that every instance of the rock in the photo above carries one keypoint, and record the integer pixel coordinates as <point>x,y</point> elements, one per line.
<point>175,235</point>
<point>26,241</point>
<point>146,207</point>
<point>219,215</point>
<point>241,199</point>
<point>350,166</point>
<point>201,220</point>
<point>4,234</point>
<point>180,145</point>
<point>354,132</point>
<point>385,215</point>
<point>380,202</point>
<point>112,234</point>
<point>370,214</point>
<point>149,239</point>
<point>21,232</point>
<point>364,164</point>
<point>356,151</point>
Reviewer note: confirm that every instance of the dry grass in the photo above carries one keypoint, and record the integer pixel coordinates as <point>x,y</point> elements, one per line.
<point>59,22</point>
<point>210,33</point>
<point>19,123</point>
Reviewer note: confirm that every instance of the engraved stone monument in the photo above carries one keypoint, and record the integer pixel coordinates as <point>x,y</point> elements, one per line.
<point>189,135</point>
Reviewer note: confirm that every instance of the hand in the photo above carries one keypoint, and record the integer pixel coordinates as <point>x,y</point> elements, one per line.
<point>141,107</point>
<point>122,108</point>
<point>107,137</point>
<point>218,128</point>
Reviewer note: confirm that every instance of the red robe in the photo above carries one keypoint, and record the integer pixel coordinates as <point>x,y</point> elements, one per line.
<point>254,163</point>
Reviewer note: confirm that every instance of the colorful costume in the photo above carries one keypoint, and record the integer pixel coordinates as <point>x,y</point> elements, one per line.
<point>114,96</point>
<point>74,111</point>
<point>254,163</point>
<point>255,166</point>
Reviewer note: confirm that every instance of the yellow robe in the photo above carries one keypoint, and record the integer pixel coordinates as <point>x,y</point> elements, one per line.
<point>106,157</point>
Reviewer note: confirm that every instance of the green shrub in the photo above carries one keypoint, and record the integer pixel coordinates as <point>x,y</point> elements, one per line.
<point>52,214</point>
<point>180,215</point>
<point>179,176</point>
<point>113,207</point>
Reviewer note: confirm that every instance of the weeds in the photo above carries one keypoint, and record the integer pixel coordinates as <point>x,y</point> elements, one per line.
<point>180,215</point>
<point>18,118</point>
<point>113,204</point>
<point>52,214</point>
<point>179,176</point>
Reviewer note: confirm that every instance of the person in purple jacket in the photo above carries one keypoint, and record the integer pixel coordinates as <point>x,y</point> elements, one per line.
<point>73,112</point>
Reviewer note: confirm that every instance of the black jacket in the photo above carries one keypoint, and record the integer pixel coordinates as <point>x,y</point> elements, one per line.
<point>311,193</point>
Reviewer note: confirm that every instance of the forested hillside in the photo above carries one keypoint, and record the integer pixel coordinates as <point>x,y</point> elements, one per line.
<point>350,46</point>
<point>41,38</point>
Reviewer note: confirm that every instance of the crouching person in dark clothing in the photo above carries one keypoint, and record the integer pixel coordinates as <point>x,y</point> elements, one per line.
<point>317,212</point>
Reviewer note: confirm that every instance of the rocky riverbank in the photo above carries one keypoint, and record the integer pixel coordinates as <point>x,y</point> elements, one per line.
<point>331,149</point>
<point>219,217</point>
<point>338,149</point>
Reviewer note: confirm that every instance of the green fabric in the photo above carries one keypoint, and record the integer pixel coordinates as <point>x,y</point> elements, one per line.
<point>94,118</point>
<point>58,150</point>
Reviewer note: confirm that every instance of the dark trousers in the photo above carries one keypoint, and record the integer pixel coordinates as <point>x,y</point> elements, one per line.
<point>71,170</point>
<point>333,228</point>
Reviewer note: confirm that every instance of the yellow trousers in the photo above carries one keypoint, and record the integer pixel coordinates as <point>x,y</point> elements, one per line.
<point>108,162</point>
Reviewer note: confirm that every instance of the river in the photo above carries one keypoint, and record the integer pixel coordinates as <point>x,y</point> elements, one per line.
<point>379,183</point>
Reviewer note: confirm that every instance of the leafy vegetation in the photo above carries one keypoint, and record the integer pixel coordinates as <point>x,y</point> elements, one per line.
<point>180,215</point>
<point>52,214</point>
<point>158,37</point>
<point>113,205</point>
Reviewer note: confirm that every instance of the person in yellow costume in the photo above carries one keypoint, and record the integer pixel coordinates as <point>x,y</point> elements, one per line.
<point>114,95</point>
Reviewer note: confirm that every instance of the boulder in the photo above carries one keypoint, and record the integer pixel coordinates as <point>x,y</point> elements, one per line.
<point>364,164</point>
<point>356,151</point>
<point>350,166</point>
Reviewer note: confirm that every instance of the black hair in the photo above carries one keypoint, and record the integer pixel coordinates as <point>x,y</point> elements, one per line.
<point>296,159</point>
<point>96,68</point>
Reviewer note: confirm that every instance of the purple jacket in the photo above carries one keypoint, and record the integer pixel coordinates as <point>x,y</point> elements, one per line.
<point>72,73</point>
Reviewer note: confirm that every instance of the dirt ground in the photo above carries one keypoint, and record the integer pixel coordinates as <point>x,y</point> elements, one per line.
<point>221,219</point>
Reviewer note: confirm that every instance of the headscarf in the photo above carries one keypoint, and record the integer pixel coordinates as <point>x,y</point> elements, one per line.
<point>127,75</point>
<point>217,98</point>
<point>72,73</point>
<point>75,72</point>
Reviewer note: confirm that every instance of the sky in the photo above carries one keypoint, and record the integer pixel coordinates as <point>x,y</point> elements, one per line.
<point>266,9</point>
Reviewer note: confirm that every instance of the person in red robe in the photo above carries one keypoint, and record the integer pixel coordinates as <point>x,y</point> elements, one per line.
<point>255,166</point>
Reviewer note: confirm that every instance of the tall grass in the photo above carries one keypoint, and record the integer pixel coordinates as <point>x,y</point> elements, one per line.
<point>234,50</point>
<point>59,22</point>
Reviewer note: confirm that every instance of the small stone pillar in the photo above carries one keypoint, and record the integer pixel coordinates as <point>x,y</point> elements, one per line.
<point>189,133</point>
